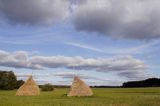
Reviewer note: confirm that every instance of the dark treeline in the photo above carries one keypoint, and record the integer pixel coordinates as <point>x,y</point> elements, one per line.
<point>151,82</point>
<point>8,81</point>
<point>105,86</point>
<point>61,86</point>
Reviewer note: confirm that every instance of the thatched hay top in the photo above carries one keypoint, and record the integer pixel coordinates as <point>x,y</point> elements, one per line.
<point>79,88</point>
<point>29,88</point>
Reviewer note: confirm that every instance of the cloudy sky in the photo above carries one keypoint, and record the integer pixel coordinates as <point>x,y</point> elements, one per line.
<point>105,42</point>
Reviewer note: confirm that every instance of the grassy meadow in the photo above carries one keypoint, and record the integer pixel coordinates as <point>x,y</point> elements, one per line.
<point>102,97</point>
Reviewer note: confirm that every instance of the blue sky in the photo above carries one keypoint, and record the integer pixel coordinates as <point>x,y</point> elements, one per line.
<point>81,40</point>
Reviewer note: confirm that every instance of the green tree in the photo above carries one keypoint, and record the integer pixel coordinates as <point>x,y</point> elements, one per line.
<point>19,83</point>
<point>8,80</point>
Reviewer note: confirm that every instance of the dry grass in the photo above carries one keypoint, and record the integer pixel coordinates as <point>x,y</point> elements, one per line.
<point>29,88</point>
<point>79,88</point>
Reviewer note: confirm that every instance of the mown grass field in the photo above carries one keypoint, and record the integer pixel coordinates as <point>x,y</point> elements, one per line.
<point>102,97</point>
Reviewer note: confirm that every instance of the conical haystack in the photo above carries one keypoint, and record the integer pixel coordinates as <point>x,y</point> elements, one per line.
<point>29,88</point>
<point>79,88</point>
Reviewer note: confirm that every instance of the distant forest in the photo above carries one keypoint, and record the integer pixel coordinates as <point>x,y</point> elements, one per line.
<point>151,82</point>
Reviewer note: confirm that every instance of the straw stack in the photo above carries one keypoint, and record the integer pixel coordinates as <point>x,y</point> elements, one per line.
<point>29,88</point>
<point>79,88</point>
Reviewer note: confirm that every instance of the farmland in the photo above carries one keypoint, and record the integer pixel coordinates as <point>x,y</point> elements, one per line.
<point>102,97</point>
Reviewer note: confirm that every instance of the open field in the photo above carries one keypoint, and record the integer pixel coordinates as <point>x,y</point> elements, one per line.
<point>102,97</point>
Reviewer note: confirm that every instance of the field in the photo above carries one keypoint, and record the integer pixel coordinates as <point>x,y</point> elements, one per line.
<point>102,97</point>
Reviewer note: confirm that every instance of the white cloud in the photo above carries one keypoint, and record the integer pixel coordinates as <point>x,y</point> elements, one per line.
<point>131,19</point>
<point>32,12</point>
<point>118,64</point>
<point>17,59</point>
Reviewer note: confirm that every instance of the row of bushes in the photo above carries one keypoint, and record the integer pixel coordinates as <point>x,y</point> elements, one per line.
<point>47,87</point>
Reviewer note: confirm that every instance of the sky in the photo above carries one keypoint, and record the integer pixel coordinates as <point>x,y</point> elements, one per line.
<point>104,42</point>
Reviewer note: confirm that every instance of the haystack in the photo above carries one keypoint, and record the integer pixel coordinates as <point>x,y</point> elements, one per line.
<point>79,88</point>
<point>29,88</point>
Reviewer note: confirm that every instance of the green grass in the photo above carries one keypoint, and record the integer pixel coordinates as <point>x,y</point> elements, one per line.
<point>102,97</point>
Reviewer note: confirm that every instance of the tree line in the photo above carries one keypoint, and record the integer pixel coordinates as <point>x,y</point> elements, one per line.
<point>151,82</point>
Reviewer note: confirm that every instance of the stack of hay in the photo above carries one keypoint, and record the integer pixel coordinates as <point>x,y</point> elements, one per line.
<point>79,88</point>
<point>29,88</point>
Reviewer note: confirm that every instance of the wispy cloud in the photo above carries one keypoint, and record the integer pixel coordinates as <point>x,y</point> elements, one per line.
<point>29,38</point>
<point>144,48</point>
<point>71,75</point>
<point>91,80</point>
<point>84,46</point>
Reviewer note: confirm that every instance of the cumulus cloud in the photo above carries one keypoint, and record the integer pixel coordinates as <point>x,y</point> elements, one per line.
<point>131,19</point>
<point>117,63</point>
<point>120,64</point>
<point>33,12</point>
<point>17,59</point>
